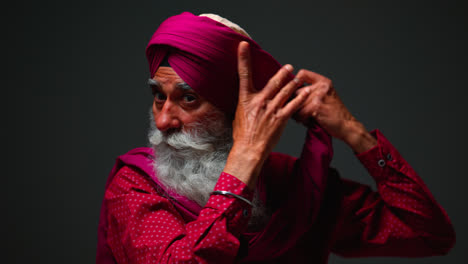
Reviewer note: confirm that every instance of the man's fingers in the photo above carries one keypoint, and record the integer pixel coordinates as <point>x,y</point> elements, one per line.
<point>317,90</point>
<point>244,68</point>
<point>290,108</point>
<point>285,93</point>
<point>277,81</point>
<point>311,77</point>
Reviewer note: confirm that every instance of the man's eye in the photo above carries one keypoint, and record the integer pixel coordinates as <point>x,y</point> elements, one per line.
<point>159,96</point>
<point>189,98</point>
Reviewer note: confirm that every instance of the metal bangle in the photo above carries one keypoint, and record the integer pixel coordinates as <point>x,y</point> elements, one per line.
<point>233,195</point>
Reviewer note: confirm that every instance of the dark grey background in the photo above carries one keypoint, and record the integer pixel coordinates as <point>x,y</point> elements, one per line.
<point>75,97</point>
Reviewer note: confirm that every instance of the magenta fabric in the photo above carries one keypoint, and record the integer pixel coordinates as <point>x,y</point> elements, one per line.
<point>203,52</point>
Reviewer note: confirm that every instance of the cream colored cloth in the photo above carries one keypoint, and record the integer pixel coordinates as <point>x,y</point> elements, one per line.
<point>227,23</point>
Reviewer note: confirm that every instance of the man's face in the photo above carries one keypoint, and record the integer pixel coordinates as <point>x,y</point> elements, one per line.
<point>176,105</point>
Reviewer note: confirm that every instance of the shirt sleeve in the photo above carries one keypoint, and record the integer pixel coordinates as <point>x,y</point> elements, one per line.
<point>401,219</point>
<point>144,227</point>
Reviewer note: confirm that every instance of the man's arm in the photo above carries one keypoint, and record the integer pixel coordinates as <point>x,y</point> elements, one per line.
<point>144,227</point>
<point>401,219</point>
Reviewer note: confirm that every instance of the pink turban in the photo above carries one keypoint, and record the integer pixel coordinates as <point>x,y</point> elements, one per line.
<point>203,52</point>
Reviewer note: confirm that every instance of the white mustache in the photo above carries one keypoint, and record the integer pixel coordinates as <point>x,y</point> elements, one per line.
<point>182,140</point>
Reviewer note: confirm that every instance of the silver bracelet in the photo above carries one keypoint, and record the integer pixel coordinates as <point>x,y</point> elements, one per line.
<point>233,195</point>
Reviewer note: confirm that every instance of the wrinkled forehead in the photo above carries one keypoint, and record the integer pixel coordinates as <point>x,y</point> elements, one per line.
<point>167,76</point>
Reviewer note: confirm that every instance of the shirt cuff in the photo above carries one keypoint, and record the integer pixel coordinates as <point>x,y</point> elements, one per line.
<point>238,212</point>
<point>382,157</point>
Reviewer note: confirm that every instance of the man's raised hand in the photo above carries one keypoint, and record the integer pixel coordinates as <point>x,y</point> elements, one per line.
<point>261,117</point>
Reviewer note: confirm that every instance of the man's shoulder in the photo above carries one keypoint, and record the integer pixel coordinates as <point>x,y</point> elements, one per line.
<point>141,158</point>
<point>143,151</point>
<point>131,181</point>
<point>136,167</point>
<point>138,160</point>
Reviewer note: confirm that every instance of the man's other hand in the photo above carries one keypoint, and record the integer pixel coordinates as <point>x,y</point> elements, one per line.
<point>325,107</point>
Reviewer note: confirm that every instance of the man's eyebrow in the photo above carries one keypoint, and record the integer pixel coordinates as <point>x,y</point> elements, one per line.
<point>183,86</point>
<point>152,82</point>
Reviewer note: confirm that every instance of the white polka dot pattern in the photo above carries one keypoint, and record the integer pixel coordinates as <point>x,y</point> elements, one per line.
<point>145,227</point>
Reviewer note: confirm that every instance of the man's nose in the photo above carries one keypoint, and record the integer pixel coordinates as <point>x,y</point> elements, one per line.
<point>168,117</point>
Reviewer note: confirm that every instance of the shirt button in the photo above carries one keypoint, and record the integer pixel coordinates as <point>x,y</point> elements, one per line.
<point>381,163</point>
<point>245,212</point>
<point>389,156</point>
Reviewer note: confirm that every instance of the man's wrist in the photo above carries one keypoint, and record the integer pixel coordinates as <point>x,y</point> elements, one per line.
<point>244,164</point>
<point>358,138</point>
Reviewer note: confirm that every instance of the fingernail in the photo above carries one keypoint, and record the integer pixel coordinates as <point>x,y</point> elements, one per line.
<point>296,80</point>
<point>288,67</point>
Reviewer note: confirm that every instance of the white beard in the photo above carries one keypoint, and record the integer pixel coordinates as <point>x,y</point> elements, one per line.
<point>189,163</point>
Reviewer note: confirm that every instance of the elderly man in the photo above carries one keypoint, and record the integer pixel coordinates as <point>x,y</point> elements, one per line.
<point>210,190</point>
